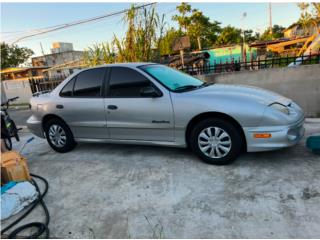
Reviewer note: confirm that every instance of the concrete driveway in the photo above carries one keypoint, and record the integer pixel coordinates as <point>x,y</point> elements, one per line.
<point>122,191</point>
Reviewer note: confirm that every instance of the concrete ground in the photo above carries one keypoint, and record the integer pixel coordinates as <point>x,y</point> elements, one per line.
<point>123,191</point>
<point>20,114</point>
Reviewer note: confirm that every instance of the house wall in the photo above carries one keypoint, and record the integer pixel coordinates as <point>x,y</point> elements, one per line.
<point>62,72</point>
<point>301,83</point>
<point>14,88</point>
<point>56,58</point>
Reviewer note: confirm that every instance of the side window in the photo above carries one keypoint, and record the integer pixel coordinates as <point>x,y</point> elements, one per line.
<point>89,83</point>
<point>67,89</point>
<point>126,82</point>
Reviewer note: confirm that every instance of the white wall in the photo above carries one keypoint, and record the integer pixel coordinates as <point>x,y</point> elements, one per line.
<point>14,88</point>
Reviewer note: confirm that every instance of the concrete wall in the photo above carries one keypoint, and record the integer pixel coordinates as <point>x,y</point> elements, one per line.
<point>14,88</point>
<point>301,84</point>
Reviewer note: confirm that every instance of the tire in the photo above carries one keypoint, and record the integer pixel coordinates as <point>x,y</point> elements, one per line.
<point>59,136</point>
<point>8,143</point>
<point>224,145</point>
<point>15,130</point>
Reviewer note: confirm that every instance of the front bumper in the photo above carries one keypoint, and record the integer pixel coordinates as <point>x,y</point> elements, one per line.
<point>35,126</point>
<point>281,136</point>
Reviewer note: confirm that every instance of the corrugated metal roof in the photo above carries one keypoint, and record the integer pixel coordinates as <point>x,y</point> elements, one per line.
<point>19,69</point>
<point>13,70</point>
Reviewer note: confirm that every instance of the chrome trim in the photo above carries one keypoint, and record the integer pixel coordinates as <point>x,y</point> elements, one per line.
<point>133,142</point>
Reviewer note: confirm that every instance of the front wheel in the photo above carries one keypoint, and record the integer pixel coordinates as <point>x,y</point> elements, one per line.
<point>216,141</point>
<point>59,136</point>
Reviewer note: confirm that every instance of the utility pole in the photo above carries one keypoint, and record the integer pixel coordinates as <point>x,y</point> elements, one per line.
<point>41,49</point>
<point>45,61</point>
<point>270,18</point>
<point>243,52</point>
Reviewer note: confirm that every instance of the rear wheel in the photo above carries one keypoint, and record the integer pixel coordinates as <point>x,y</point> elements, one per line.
<point>59,136</point>
<point>15,130</point>
<point>216,141</point>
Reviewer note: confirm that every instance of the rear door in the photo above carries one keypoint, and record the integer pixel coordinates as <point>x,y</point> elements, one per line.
<point>81,104</point>
<point>133,117</point>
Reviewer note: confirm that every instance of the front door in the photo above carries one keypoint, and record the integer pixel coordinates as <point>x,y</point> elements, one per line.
<point>81,105</point>
<point>131,116</point>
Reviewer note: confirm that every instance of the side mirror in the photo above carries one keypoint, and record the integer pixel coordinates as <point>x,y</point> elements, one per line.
<point>150,92</point>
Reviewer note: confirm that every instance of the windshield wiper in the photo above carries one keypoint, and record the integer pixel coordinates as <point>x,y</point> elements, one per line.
<point>190,87</point>
<point>207,84</point>
<point>187,87</point>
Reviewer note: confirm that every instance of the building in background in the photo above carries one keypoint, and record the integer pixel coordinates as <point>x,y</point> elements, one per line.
<point>65,69</point>
<point>231,53</point>
<point>22,73</point>
<point>15,82</point>
<point>297,30</point>
<point>59,47</point>
<point>61,54</point>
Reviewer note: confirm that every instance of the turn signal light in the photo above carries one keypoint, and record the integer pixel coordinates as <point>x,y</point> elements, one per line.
<point>262,135</point>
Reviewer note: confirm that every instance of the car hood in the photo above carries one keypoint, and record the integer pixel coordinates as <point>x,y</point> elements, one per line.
<point>254,93</point>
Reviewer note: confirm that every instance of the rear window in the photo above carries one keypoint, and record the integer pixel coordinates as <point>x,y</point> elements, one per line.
<point>89,83</point>
<point>67,89</point>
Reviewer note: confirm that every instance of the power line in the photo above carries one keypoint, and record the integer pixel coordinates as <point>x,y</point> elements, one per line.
<point>67,25</point>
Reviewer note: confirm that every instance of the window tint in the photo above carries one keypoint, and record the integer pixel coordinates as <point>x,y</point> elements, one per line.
<point>67,89</point>
<point>126,82</point>
<point>89,83</point>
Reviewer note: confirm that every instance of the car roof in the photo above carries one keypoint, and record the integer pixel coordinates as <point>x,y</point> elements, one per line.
<point>130,64</point>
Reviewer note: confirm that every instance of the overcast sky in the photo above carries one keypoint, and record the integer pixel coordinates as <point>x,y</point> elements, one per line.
<point>26,16</point>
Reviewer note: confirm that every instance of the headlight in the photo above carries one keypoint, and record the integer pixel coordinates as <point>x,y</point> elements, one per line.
<point>280,108</point>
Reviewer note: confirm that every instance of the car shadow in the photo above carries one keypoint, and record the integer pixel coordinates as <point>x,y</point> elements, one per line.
<point>281,156</point>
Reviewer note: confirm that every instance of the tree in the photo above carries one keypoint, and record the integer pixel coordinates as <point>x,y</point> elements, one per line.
<point>316,10</point>
<point>165,45</point>
<point>145,29</point>
<point>309,17</point>
<point>313,13</point>
<point>192,22</point>
<point>250,37</point>
<point>183,19</point>
<point>277,32</point>
<point>229,35</point>
<point>201,30</point>
<point>13,56</point>
<point>99,54</point>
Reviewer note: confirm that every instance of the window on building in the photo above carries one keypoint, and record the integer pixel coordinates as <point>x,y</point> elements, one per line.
<point>126,82</point>
<point>89,83</point>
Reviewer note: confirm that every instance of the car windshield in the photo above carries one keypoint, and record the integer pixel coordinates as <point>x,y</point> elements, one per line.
<point>173,79</point>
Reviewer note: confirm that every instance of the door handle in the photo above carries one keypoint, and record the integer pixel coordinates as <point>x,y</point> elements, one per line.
<point>59,106</point>
<point>112,107</point>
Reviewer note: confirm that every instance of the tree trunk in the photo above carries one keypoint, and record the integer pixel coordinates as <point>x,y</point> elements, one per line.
<point>199,43</point>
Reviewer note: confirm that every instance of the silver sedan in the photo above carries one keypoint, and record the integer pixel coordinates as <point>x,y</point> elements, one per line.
<point>151,104</point>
